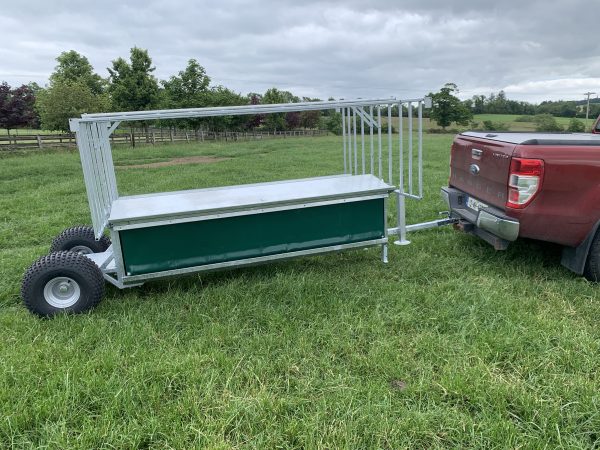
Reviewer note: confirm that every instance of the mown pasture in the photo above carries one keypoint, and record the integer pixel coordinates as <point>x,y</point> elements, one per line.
<point>451,344</point>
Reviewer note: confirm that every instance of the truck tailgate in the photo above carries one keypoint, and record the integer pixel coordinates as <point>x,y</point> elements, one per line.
<point>480,167</point>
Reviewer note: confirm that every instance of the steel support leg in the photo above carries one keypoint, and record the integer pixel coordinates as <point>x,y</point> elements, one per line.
<point>384,253</point>
<point>401,220</point>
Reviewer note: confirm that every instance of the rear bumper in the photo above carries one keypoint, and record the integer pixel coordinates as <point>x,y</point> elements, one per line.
<point>489,223</point>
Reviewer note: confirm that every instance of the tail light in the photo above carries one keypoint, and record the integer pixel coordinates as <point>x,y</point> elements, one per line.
<point>524,181</point>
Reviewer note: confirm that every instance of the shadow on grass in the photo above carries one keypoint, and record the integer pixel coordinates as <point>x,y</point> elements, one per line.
<point>273,276</point>
<point>529,256</point>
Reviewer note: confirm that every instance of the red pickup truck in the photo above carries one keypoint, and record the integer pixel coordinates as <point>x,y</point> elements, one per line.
<point>543,186</point>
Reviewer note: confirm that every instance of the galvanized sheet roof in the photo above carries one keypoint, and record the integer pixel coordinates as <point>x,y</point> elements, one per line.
<point>234,198</point>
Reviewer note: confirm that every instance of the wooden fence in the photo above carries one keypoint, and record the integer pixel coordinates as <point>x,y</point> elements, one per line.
<point>153,136</point>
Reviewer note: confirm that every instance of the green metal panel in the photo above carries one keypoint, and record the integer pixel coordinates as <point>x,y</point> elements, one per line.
<point>189,244</point>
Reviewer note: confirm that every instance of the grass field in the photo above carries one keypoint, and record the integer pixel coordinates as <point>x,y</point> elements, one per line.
<point>513,125</point>
<point>451,344</point>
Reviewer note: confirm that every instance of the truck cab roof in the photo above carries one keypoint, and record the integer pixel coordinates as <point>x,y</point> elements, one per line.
<point>529,138</point>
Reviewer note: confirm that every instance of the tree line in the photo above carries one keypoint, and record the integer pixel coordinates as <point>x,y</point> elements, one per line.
<point>498,103</point>
<point>74,88</point>
<point>448,108</point>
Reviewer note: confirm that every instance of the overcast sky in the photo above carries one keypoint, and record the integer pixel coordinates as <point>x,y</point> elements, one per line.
<point>532,49</point>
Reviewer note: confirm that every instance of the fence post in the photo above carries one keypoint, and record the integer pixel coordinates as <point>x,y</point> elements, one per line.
<point>39,141</point>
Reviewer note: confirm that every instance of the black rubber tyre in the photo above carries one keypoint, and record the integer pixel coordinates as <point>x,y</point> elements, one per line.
<point>79,239</point>
<point>62,282</point>
<point>592,265</point>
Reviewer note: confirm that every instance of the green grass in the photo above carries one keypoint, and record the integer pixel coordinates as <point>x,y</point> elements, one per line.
<point>510,120</point>
<point>451,344</point>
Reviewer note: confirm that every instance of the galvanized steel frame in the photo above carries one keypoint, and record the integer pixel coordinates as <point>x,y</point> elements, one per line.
<point>93,139</point>
<point>407,160</point>
<point>98,169</point>
<point>355,118</point>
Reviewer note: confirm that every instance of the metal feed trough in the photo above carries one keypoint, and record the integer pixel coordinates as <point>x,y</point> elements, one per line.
<point>167,234</point>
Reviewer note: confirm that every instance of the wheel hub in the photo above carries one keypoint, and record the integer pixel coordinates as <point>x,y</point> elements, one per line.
<point>84,250</point>
<point>62,292</point>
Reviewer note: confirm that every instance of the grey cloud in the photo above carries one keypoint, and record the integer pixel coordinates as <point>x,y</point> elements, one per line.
<point>351,48</point>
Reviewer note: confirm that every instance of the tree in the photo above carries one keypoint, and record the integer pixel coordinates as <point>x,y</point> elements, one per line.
<point>258,119</point>
<point>448,108</point>
<point>310,119</point>
<point>221,96</point>
<point>546,122</point>
<point>279,121</point>
<point>334,123</point>
<point>132,85</point>
<point>488,125</point>
<point>64,100</point>
<point>73,67</point>
<point>35,88</point>
<point>576,126</point>
<point>17,107</point>
<point>292,120</point>
<point>74,89</point>
<point>187,89</point>
<point>479,104</point>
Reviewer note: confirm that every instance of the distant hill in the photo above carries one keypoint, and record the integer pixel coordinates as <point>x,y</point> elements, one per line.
<point>584,102</point>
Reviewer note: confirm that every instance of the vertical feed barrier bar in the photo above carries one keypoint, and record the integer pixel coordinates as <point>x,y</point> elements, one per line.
<point>401,200</point>
<point>362,141</point>
<point>355,144</point>
<point>390,151</point>
<point>344,139</point>
<point>379,138</point>
<point>350,171</point>
<point>410,149</point>
<point>401,148</point>
<point>371,131</point>
<point>420,150</point>
<point>407,185</point>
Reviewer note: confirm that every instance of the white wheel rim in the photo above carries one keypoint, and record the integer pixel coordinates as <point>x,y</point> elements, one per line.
<point>82,249</point>
<point>62,292</point>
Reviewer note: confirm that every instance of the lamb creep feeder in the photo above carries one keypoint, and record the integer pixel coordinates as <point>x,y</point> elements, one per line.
<point>174,233</point>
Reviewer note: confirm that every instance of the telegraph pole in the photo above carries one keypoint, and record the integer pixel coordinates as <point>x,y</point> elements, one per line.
<point>587,112</point>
